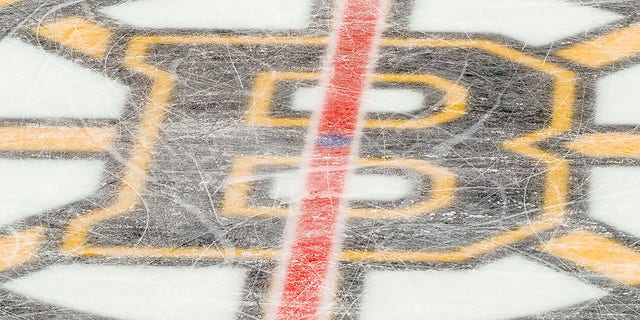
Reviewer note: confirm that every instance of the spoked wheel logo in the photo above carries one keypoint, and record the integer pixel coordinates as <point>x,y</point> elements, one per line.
<point>357,150</point>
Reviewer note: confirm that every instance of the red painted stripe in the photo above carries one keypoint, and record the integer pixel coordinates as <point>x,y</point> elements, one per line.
<point>309,265</point>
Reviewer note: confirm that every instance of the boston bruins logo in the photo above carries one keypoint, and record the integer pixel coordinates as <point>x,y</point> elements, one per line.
<point>238,165</point>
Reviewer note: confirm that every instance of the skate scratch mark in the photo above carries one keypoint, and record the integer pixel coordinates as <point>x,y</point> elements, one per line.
<point>304,280</point>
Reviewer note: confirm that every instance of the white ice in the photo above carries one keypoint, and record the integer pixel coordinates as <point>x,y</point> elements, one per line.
<point>138,292</point>
<point>37,84</point>
<point>33,186</point>
<point>219,14</point>
<point>508,288</point>
<point>618,98</point>
<point>371,187</point>
<point>614,197</point>
<point>535,22</point>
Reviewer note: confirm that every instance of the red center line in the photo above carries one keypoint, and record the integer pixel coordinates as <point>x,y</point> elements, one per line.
<point>315,226</point>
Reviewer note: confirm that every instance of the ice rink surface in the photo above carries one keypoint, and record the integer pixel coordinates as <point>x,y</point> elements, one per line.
<point>319,159</point>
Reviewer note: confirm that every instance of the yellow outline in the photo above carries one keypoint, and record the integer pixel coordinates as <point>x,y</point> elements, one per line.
<point>605,50</point>
<point>80,139</point>
<point>19,248</point>
<point>442,192</point>
<point>7,2</point>
<point>133,181</point>
<point>454,101</point>
<point>79,34</point>
<point>607,145</point>
<point>597,253</point>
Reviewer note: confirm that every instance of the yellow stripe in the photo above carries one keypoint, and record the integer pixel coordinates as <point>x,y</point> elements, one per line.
<point>177,253</point>
<point>606,49</point>
<point>599,254</point>
<point>87,139</point>
<point>20,247</point>
<point>133,181</point>
<point>7,2</point>
<point>78,34</point>
<point>467,252</point>
<point>604,145</point>
<point>231,40</point>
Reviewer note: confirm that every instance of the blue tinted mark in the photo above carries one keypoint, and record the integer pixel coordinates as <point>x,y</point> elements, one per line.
<point>333,141</point>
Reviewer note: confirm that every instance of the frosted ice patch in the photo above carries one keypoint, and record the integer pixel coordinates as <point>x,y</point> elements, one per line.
<point>535,22</point>
<point>373,100</point>
<point>36,84</point>
<point>363,187</point>
<point>618,98</point>
<point>219,14</point>
<point>31,187</point>
<point>509,288</point>
<point>138,292</point>
<point>614,197</point>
